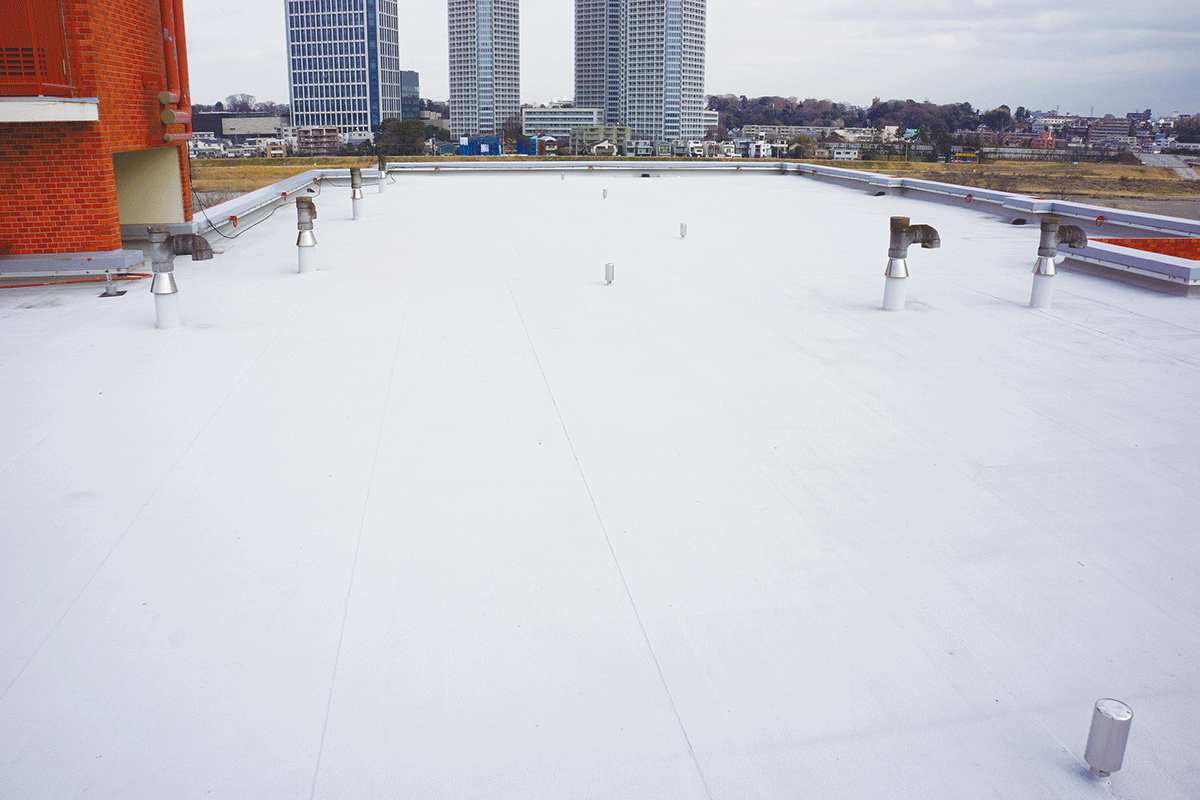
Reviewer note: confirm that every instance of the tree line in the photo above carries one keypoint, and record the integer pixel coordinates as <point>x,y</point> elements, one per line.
<point>738,111</point>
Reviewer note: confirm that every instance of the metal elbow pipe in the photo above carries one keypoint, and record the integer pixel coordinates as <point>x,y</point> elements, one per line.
<point>1052,235</point>
<point>306,212</point>
<point>902,236</point>
<point>164,247</point>
<point>183,244</point>
<point>162,260</point>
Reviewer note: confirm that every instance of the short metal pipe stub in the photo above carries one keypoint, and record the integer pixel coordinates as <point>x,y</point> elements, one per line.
<point>608,272</point>
<point>1107,736</point>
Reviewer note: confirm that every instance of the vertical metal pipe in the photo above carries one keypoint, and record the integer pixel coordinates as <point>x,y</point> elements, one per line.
<point>306,241</point>
<point>608,273</point>
<point>185,92</point>
<point>162,286</point>
<point>166,10</point>
<point>356,194</point>
<point>1043,268</point>
<point>683,230</point>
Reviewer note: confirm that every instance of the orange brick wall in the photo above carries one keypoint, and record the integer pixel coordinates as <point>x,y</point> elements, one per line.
<point>1180,248</point>
<point>57,190</point>
<point>57,193</point>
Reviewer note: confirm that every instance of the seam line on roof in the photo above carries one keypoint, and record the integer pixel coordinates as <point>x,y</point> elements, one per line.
<point>362,521</point>
<point>611,551</point>
<point>149,499</point>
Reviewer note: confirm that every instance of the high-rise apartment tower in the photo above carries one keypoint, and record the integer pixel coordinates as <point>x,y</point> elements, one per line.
<point>485,65</point>
<point>642,61</point>
<point>343,63</point>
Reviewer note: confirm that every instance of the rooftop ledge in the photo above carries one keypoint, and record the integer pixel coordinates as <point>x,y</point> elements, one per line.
<point>49,109</point>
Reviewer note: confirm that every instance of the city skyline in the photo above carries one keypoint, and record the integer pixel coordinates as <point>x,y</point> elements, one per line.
<point>1077,58</point>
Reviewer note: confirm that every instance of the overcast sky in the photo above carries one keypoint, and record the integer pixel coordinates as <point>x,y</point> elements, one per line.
<point>1110,56</point>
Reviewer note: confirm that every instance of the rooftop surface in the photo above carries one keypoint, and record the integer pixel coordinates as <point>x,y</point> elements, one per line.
<point>453,518</point>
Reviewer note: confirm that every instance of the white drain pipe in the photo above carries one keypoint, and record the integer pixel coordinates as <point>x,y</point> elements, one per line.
<point>903,235</point>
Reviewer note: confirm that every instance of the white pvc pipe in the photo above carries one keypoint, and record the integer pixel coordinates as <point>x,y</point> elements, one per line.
<point>307,258</point>
<point>893,294</point>
<point>1043,291</point>
<point>166,310</point>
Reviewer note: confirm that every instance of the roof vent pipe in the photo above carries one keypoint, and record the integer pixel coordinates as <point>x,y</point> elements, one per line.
<point>1107,736</point>
<point>356,194</point>
<point>683,230</point>
<point>382,173</point>
<point>608,273</point>
<point>903,235</point>
<point>163,249</point>
<point>1053,234</point>
<point>306,212</point>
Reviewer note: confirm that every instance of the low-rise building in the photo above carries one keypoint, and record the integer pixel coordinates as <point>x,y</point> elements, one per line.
<point>584,137</point>
<point>558,122</point>
<point>318,141</point>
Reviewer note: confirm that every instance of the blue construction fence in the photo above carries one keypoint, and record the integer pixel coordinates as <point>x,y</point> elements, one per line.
<point>490,146</point>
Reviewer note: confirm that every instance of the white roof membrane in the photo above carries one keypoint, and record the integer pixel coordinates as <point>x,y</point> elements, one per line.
<point>451,517</point>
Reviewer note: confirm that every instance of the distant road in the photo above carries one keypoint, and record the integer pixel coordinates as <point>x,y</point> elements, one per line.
<point>1171,162</point>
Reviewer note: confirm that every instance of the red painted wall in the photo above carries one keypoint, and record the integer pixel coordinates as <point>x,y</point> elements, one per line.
<point>57,189</point>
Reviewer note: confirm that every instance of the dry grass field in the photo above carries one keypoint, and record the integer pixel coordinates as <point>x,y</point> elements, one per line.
<point>1118,185</point>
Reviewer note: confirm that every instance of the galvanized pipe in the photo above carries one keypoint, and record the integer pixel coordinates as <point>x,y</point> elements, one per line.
<point>162,286</point>
<point>356,194</point>
<point>608,273</point>
<point>306,240</point>
<point>1052,235</point>
<point>902,236</point>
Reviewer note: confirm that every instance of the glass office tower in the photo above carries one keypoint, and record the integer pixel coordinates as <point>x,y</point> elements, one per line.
<point>344,63</point>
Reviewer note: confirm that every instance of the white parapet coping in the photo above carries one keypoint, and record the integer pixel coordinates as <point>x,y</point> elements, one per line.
<point>49,109</point>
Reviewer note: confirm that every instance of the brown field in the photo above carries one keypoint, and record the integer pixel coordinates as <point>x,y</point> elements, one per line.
<point>1120,185</point>
<point>1050,179</point>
